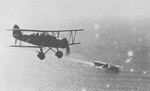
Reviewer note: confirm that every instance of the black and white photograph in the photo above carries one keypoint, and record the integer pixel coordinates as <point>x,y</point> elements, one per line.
<point>74,45</point>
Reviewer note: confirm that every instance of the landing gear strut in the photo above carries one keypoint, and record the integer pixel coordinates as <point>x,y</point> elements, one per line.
<point>41,54</point>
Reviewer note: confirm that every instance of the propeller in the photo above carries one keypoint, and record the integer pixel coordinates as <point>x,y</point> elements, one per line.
<point>67,49</point>
<point>67,46</point>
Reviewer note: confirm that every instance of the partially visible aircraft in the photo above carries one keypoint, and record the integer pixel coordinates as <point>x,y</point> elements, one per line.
<point>43,38</point>
<point>108,68</point>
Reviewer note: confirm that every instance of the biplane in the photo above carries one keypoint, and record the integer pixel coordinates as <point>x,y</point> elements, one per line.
<point>107,67</point>
<point>45,38</point>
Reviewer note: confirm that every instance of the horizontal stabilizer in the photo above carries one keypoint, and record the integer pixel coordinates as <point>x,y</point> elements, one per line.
<point>74,43</point>
<point>31,30</point>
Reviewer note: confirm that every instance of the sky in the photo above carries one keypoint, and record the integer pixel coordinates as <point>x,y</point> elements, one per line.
<point>116,31</point>
<point>69,14</point>
<point>43,14</point>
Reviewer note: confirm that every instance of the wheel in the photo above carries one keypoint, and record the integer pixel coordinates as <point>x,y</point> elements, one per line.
<point>41,55</point>
<point>59,54</point>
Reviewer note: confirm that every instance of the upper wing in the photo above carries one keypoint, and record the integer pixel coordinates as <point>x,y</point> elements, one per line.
<point>31,30</point>
<point>97,63</point>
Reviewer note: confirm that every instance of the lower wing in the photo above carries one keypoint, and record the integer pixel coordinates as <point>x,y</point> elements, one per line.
<point>24,46</point>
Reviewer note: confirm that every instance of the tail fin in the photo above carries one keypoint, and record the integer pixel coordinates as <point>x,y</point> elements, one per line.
<point>16,31</point>
<point>16,27</point>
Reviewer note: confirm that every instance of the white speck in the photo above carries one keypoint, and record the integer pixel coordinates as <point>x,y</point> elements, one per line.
<point>96,26</point>
<point>144,72</point>
<point>96,35</point>
<point>107,85</point>
<point>130,53</point>
<point>131,70</point>
<point>83,89</point>
<point>128,60</point>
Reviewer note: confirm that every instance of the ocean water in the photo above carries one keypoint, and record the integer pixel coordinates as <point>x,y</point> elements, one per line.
<point>22,71</point>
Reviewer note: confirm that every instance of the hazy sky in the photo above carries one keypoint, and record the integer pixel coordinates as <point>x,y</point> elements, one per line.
<point>46,14</point>
<point>50,14</point>
<point>66,14</point>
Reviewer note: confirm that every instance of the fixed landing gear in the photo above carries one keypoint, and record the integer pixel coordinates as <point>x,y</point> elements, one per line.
<point>41,55</point>
<point>59,54</point>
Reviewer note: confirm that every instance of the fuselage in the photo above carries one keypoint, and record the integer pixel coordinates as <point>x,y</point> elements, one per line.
<point>40,40</point>
<point>108,67</point>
